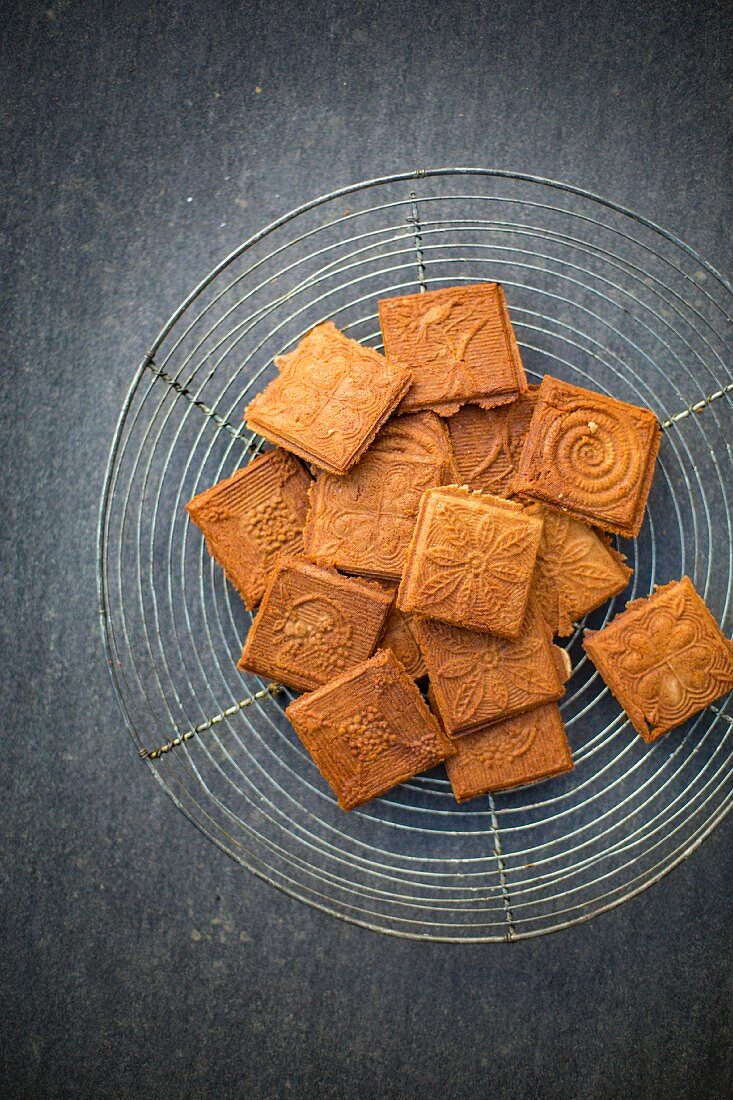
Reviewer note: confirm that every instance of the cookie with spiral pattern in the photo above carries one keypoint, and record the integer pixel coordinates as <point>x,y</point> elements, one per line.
<point>251,519</point>
<point>487,443</point>
<point>664,658</point>
<point>514,753</point>
<point>459,344</point>
<point>471,560</point>
<point>313,624</point>
<point>369,730</point>
<point>329,400</point>
<point>362,521</point>
<point>589,455</point>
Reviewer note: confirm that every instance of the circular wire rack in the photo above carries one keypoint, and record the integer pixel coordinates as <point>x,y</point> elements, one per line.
<point>599,296</point>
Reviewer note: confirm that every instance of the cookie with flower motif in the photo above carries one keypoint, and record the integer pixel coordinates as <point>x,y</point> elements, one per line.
<point>577,570</point>
<point>362,521</point>
<point>481,678</point>
<point>251,519</point>
<point>664,658</point>
<point>459,344</point>
<point>471,560</point>
<point>329,400</point>
<point>368,730</point>
<point>313,624</point>
<point>518,751</point>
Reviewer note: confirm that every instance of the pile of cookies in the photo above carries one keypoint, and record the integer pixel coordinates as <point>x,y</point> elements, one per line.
<point>428,519</point>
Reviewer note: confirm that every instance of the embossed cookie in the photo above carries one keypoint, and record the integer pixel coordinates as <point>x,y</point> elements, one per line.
<point>330,398</point>
<point>400,637</point>
<point>470,561</point>
<point>664,658</point>
<point>459,344</point>
<point>577,570</point>
<point>362,522</point>
<point>253,518</point>
<point>313,624</point>
<point>481,678</point>
<point>518,751</point>
<point>589,455</point>
<point>487,443</point>
<point>368,730</point>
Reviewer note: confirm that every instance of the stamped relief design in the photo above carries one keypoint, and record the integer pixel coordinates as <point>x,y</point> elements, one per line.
<point>367,733</point>
<point>483,676</point>
<point>273,525</point>
<point>589,454</point>
<point>313,629</point>
<point>464,559</point>
<point>487,443</point>
<point>576,571</point>
<point>664,658</point>
<point>458,341</point>
<point>363,521</point>
<point>508,743</point>
<point>330,395</point>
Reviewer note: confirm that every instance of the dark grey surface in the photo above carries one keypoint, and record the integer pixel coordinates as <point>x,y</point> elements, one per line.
<point>140,143</point>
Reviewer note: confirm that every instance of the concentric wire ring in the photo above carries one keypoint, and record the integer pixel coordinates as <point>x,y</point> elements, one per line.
<point>598,296</point>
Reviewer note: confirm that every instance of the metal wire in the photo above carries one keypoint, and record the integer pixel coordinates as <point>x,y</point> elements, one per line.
<point>599,296</point>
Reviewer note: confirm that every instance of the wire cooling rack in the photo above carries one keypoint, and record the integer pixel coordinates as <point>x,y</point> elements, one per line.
<point>599,296</point>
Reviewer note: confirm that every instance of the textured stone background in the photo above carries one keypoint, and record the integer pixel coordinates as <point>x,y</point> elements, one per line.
<point>137,959</point>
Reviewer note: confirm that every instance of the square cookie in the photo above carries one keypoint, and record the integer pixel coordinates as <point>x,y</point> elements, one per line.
<point>664,658</point>
<point>481,678</point>
<point>487,443</point>
<point>459,344</point>
<point>329,400</point>
<point>589,455</point>
<point>518,751</point>
<point>313,624</point>
<point>362,522</point>
<point>252,518</point>
<point>368,730</point>
<point>577,570</point>
<point>400,637</point>
<point>471,560</point>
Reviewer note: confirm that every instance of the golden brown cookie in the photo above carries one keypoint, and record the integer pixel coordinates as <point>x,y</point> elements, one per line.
<point>313,624</point>
<point>664,658</point>
<point>487,443</point>
<point>471,560</point>
<point>590,456</point>
<point>459,344</point>
<point>329,400</point>
<point>400,637</point>
<point>577,570</point>
<point>481,678</point>
<point>252,518</point>
<point>362,522</point>
<point>518,751</point>
<point>368,730</point>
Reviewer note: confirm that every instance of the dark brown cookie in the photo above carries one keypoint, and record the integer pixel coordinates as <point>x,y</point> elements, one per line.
<point>471,560</point>
<point>518,751</point>
<point>313,624</point>
<point>481,678</point>
<point>253,518</point>
<point>590,456</point>
<point>487,443</point>
<point>329,400</point>
<point>368,730</point>
<point>664,658</point>
<point>577,571</point>
<point>459,344</point>
<point>362,522</point>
